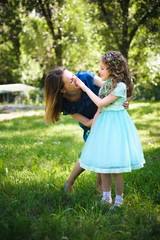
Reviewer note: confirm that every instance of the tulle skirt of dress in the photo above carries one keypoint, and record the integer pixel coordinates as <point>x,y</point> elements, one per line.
<point>113,145</point>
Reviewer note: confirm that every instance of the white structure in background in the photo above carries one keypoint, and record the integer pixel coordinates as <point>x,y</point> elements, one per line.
<point>7,89</point>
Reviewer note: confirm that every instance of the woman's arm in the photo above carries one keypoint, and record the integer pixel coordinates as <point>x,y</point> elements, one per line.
<point>98,81</point>
<point>82,119</point>
<point>99,110</point>
<point>126,104</point>
<point>100,102</point>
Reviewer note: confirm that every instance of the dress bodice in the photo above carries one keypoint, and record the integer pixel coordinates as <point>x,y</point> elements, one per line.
<point>121,93</point>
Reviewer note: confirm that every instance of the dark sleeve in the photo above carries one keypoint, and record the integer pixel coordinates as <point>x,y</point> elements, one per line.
<point>84,104</point>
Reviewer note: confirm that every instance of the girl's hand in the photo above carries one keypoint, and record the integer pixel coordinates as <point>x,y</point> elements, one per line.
<point>78,83</point>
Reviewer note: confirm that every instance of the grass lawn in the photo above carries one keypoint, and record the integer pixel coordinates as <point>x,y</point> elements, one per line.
<point>36,159</point>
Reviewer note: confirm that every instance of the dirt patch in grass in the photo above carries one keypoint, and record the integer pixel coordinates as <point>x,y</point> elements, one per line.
<point>11,111</point>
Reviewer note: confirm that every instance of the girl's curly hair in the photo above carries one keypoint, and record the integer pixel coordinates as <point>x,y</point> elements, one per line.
<point>118,69</point>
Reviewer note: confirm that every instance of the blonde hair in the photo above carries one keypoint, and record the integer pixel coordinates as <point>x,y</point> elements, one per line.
<point>53,96</point>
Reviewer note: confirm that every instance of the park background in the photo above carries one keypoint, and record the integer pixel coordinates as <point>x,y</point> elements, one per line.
<point>35,159</point>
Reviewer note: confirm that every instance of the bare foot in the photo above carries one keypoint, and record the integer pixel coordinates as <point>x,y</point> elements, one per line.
<point>68,187</point>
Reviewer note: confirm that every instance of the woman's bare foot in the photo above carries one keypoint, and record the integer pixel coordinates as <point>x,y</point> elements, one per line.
<point>68,187</point>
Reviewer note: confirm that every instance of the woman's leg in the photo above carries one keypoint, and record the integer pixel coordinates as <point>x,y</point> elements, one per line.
<point>77,170</point>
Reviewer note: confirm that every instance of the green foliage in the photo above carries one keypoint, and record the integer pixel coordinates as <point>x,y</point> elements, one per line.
<point>36,49</point>
<point>77,41</point>
<point>37,36</point>
<point>35,160</point>
<point>144,62</point>
<point>10,28</point>
<point>81,49</point>
<point>132,28</point>
<point>122,19</point>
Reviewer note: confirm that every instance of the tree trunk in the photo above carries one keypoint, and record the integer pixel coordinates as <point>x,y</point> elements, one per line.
<point>124,46</point>
<point>14,36</point>
<point>57,45</point>
<point>124,49</point>
<point>58,48</point>
<point>58,53</point>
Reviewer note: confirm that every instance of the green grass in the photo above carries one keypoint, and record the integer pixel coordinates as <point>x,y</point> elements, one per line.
<point>35,160</point>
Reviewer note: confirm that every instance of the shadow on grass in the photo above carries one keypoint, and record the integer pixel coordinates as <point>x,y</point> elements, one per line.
<point>25,208</point>
<point>41,210</point>
<point>24,205</point>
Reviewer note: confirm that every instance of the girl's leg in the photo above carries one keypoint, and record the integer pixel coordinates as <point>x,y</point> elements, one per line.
<point>77,170</point>
<point>118,179</point>
<point>106,182</point>
<point>99,183</point>
<point>106,187</point>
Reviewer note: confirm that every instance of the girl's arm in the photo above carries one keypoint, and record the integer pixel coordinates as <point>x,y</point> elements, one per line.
<point>98,81</point>
<point>82,119</point>
<point>98,101</point>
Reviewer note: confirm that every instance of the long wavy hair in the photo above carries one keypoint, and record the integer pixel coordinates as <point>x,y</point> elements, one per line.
<point>52,95</point>
<point>118,70</point>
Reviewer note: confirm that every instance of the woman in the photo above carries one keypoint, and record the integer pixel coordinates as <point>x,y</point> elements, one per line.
<point>61,96</point>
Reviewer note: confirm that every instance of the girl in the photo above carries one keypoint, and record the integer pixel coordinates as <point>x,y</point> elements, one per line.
<point>113,146</point>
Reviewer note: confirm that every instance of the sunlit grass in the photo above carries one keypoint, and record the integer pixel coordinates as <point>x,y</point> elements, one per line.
<point>35,160</point>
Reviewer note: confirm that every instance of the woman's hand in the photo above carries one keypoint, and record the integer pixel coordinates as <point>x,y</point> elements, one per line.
<point>126,104</point>
<point>78,83</point>
<point>99,110</point>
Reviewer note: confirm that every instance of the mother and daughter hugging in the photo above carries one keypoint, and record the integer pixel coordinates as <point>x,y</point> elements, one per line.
<point>113,145</point>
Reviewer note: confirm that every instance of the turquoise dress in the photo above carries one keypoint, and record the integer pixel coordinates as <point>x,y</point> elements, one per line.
<point>113,145</point>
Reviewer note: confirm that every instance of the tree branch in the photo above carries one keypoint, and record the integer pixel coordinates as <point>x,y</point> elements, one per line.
<point>142,21</point>
<point>106,15</point>
<point>47,17</point>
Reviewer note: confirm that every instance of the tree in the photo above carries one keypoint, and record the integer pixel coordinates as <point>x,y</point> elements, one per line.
<point>51,10</point>
<point>76,45</point>
<point>10,28</point>
<point>38,51</point>
<point>145,64</point>
<point>122,18</point>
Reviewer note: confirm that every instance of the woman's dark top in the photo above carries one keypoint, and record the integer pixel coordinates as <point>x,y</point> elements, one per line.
<point>84,105</point>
